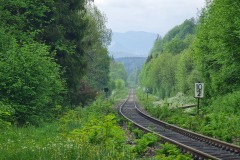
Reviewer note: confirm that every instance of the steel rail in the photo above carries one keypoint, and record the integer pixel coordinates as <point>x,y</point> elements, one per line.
<point>132,113</point>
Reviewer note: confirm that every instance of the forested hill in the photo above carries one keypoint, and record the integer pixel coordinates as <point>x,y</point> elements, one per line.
<point>53,53</point>
<point>168,67</point>
<point>131,63</point>
<point>206,50</point>
<point>133,66</point>
<point>131,44</point>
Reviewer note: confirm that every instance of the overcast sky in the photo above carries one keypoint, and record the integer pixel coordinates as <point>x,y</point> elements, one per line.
<point>156,16</point>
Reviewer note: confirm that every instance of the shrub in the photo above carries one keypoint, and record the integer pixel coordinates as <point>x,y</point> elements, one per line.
<point>29,80</point>
<point>169,152</point>
<point>148,139</point>
<point>138,133</point>
<point>6,112</point>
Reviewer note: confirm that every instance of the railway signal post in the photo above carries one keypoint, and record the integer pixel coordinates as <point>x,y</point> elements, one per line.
<point>199,90</point>
<point>106,91</point>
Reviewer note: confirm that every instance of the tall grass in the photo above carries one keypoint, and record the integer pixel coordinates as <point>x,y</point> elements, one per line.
<point>85,133</point>
<point>90,133</point>
<point>220,119</point>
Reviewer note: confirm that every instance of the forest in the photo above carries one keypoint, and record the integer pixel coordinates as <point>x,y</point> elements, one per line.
<point>53,69</point>
<point>202,50</point>
<point>53,55</point>
<point>54,66</point>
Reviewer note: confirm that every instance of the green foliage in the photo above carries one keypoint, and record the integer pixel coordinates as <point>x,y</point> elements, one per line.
<point>119,84</point>
<point>138,133</point>
<point>74,30</point>
<point>30,142</point>
<point>224,118</point>
<point>119,95</point>
<point>80,41</point>
<point>96,128</point>
<point>45,44</point>
<point>83,133</point>
<point>97,76</point>
<point>148,139</point>
<point>210,55</point>
<point>133,78</point>
<point>133,67</point>
<point>6,113</point>
<point>160,75</point>
<point>175,46</point>
<point>168,149</point>
<point>215,120</point>
<point>130,126</point>
<point>170,68</point>
<point>186,73</point>
<point>228,103</point>
<point>98,61</point>
<point>117,71</point>
<point>118,80</point>
<point>180,100</point>
<point>169,152</point>
<point>102,131</point>
<point>157,47</point>
<point>181,31</point>
<point>30,80</point>
<point>217,47</point>
<point>25,18</point>
<point>163,112</point>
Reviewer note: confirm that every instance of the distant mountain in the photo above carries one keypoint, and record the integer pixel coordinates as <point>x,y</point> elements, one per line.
<point>131,44</point>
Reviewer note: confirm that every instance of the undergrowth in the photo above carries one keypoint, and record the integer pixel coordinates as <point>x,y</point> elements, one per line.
<point>83,133</point>
<point>90,133</point>
<point>219,119</point>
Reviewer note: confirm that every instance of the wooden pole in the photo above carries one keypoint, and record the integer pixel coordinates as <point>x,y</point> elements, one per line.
<point>198,106</point>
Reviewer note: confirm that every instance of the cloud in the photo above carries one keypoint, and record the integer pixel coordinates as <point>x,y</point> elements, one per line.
<point>157,16</point>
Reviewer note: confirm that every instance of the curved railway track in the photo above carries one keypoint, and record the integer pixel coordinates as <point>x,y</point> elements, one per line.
<point>200,147</point>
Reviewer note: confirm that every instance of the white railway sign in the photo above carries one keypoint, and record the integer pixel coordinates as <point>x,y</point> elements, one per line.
<point>199,89</point>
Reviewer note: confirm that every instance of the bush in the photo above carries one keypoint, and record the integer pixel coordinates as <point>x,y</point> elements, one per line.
<point>96,127</point>
<point>138,133</point>
<point>169,152</point>
<point>6,112</point>
<point>29,79</point>
<point>83,133</point>
<point>228,103</point>
<point>148,139</point>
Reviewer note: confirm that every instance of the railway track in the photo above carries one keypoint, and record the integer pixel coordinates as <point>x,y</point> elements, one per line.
<point>199,146</point>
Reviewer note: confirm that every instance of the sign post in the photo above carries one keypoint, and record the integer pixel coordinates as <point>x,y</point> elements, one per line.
<point>106,91</point>
<point>199,90</point>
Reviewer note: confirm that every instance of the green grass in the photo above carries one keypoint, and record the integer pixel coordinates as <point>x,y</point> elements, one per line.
<point>90,133</point>
<point>85,133</point>
<point>28,142</point>
<point>219,120</point>
<point>119,95</point>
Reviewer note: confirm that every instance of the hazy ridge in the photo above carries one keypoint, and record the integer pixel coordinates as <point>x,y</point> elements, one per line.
<point>131,44</point>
